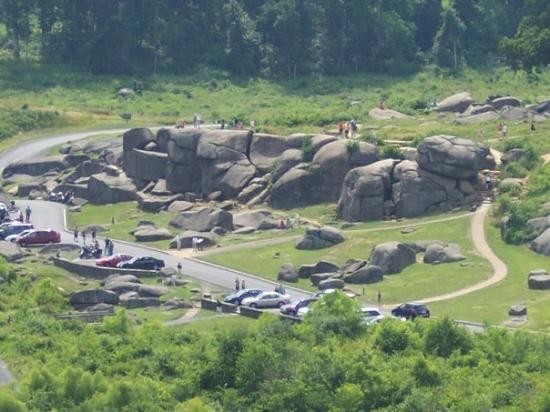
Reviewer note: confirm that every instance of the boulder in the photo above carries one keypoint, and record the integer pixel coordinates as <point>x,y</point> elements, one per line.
<point>59,247</point>
<point>500,102</point>
<point>257,219</point>
<point>477,118</point>
<point>453,157</point>
<point>287,273</point>
<point>513,113</point>
<point>101,307</point>
<point>265,150</point>
<point>421,245</point>
<point>24,189</point>
<point>518,310</point>
<point>126,93</point>
<point>244,230</point>
<point>103,189</point>
<point>203,220</point>
<point>514,155</point>
<point>535,272</point>
<point>120,287</point>
<point>537,225</point>
<point>541,244</point>
<point>456,103</point>
<point>364,191</point>
<point>317,278</point>
<point>392,257</point>
<point>352,265</point>
<point>131,302</point>
<point>93,297</point>
<point>253,190</point>
<point>484,108</point>
<point>386,114</point>
<point>153,203</point>
<point>365,275</point>
<point>543,107</point>
<point>136,138</point>
<point>145,165</point>
<point>152,291</point>
<point>186,239</point>
<point>88,168</point>
<point>183,170</point>
<point>120,278</point>
<point>539,282</point>
<point>36,166</point>
<point>151,234</point>
<point>331,284</point>
<point>443,254</point>
<point>11,251</point>
<point>319,238</point>
<point>179,206</point>
<point>288,159</point>
<point>323,266</point>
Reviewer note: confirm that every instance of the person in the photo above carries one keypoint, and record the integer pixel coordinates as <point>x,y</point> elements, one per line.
<point>96,244</point>
<point>111,247</point>
<point>200,242</point>
<point>57,255</point>
<point>379,298</point>
<point>20,218</point>
<point>280,289</point>
<point>195,120</point>
<point>28,214</point>
<point>179,268</point>
<point>83,234</point>
<point>489,184</point>
<point>198,121</point>
<point>93,234</point>
<point>173,280</point>
<point>222,124</point>
<point>75,235</point>
<point>532,127</point>
<point>499,130</point>
<point>341,128</point>
<point>194,243</point>
<point>413,314</point>
<point>113,221</point>
<point>353,126</point>
<point>107,241</point>
<point>504,130</point>
<point>243,285</point>
<point>253,126</point>
<point>237,284</point>
<point>382,105</point>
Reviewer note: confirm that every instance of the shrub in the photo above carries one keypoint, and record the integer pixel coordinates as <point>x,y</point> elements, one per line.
<point>510,188</point>
<point>393,337</point>
<point>515,169</point>
<point>391,152</point>
<point>371,137</point>
<point>445,337</point>
<point>352,146</point>
<point>307,149</point>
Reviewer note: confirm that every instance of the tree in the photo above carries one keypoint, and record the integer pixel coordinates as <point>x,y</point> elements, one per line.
<point>16,15</point>
<point>447,42</point>
<point>427,18</point>
<point>445,337</point>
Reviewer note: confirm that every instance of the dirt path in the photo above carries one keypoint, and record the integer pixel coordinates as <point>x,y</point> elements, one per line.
<point>480,243</point>
<point>5,375</point>
<point>187,316</point>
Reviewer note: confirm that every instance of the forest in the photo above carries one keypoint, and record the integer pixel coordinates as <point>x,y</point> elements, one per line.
<point>277,38</point>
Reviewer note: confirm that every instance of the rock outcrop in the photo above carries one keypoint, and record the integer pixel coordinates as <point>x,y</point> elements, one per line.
<point>91,297</point>
<point>186,239</point>
<point>287,273</point>
<point>104,188</point>
<point>323,266</point>
<point>203,220</point>
<point>392,257</point>
<point>365,275</point>
<point>455,103</point>
<point>36,167</point>
<point>541,244</point>
<point>319,238</point>
<point>386,114</point>
<point>256,219</point>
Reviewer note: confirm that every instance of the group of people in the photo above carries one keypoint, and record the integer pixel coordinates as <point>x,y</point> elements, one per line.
<point>348,129</point>
<point>66,197</point>
<point>197,243</point>
<point>109,246</point>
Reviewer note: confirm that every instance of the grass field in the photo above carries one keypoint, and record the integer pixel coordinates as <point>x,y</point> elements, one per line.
<point>491,304</point>
<point>416,281</point>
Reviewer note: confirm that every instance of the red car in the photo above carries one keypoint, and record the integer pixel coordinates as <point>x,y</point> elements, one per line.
<point>39,237</point>
<point>112,261</point>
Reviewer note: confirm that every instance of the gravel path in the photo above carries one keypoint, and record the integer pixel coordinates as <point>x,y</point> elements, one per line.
<point>480,243</point>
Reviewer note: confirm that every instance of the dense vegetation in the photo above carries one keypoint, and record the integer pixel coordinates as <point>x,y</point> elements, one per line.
<point>330,362</point>
<point>277,37</point>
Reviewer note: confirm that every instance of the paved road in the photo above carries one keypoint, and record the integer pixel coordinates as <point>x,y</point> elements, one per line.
<point>49,214</point>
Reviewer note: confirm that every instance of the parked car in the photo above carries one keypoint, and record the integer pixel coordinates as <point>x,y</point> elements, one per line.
<point>142,262</point>
<point>371,315</point>
<point>113,261</point>
<point>292,308</point>
<point>39,237</point>
<point>410,310</point>
<point>266,300</point>
<point>237,297</point>
<point>13,238</point>
<point>14,229</point>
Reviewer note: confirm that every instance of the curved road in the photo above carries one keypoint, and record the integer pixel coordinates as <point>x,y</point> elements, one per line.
<point>50,214</point>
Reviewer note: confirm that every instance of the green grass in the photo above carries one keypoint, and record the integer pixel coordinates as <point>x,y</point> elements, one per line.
<point>224,323</point>
<point>414,282</point>
<point>126,214</point>
<point>491,304</point>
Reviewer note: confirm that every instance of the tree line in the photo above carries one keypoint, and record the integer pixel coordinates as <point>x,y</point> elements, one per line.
<point>284,38</point>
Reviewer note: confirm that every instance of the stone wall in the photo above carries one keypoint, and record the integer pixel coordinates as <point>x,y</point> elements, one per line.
<point>97,272</point>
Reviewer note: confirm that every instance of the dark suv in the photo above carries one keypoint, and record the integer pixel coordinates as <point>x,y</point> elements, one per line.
<point>237,297</point>
<point>411,310</point>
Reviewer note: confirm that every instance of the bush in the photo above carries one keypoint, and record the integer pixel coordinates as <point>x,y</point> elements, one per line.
<point>371,137</point>
<point>515,169</point>
<point>445,337</point>
<point>352,146</point>
<point>393,337</point>
<point>510,188</point>
<point>307,149</point>
<point>391,152</point>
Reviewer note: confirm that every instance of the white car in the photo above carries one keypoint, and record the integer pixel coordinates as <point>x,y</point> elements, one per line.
<point>13,238</point>
<point>266,300</point>
<point>371,315</point>
<point>322,293</point>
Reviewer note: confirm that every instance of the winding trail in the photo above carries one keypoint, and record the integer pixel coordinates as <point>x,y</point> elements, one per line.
<point>477,233</point>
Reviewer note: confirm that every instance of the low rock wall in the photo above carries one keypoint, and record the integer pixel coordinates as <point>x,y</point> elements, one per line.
<point>97,272</point>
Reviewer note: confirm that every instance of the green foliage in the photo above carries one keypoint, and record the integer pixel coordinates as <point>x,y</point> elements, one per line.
<point>16,121</point>
<point>8,403</point>
<point>48,297</point>
<point>424,374</point>
<point>371,137</point>
<point>307,149</point>
<point>391,152</point>
<point>393,337</point>
<point>511,189</point>
<point>352,146</point>
<point>445,337</point>
<point>515,169</point>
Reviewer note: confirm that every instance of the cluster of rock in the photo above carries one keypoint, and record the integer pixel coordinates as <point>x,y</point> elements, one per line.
<point>385,259</point>
<point>124,290</point>
<point>444,176</point>
<point>494,108</point>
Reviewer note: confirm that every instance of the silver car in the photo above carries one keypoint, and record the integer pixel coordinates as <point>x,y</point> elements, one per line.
<point>266,300</point>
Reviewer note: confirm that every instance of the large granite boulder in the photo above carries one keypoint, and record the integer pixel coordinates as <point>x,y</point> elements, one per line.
<point>537,225</point>
<point>477,118</point>
<point>456,103</point>
<point>183,170</point>
<point>443,254</point>
<point>513,155</point>
<point>319,238</point>
<point>365,275</point>
<point>392,257</point>
<point>179,206</point>
<point>152,291</point>
<point>332,283</point>
<point>365,190</point>
<point>287,273</point>
<point>203,220</point>
<point>288,159</point>
<point>386,114</point>
<point>352,265</point>
<point>255,192</point>
<point>11,251</point>
<point>453,157</point>
<point>186,239</point>
<point>36,166</point>
<point>539,282</point>
<point>323,266</point>
<point>130,301</point>
<point>500,102</point>
<point>321,181</point>
<point>513,113</point>
<point>317,278</point>
<point>152,234</point>
<point>136,138</point>
<point>104,188</point>
<point>541,244</point>
<point>153,203</point>
<point>120,278</point>
<point>93,297</point>
<point>257,219</point>
<point>265,150</point>
<point>145,165</point>
<point>478,109</point>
